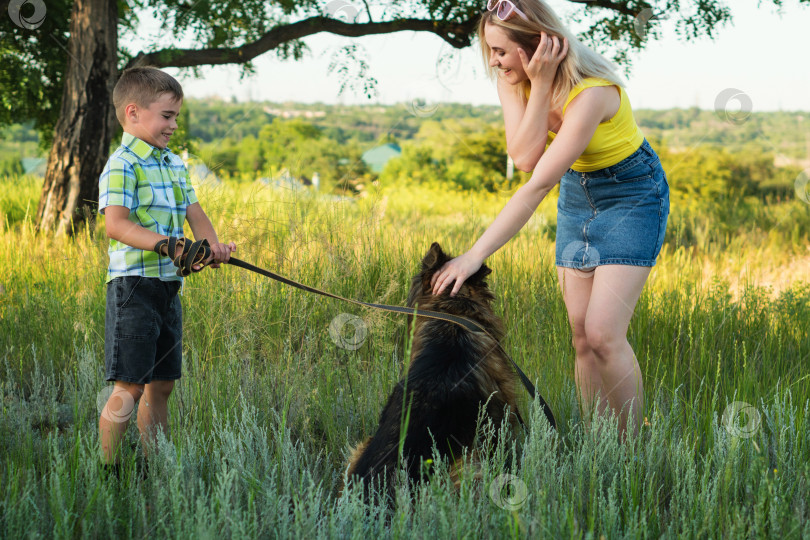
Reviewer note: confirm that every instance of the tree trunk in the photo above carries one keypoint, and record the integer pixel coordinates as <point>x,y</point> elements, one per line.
<point>86,121</point>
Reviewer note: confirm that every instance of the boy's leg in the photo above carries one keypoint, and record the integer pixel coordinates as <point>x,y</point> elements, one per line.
<point>135,307</point>
<point>115,418</point>
<point>153,413</point>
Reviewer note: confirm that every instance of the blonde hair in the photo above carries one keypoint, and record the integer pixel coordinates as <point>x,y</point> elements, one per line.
<point>143,86</point>
<point>579,63</point>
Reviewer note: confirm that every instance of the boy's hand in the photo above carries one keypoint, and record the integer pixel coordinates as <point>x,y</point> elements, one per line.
<point>187,256</point>
<point>221,253</point>
<point>172,247</point>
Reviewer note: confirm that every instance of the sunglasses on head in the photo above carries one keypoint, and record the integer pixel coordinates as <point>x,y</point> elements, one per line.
<point>504,9</point>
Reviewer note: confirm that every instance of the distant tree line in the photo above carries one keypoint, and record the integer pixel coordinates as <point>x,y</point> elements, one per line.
<point>708,157</point>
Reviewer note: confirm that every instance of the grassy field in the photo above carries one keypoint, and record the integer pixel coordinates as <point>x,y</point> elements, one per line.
<point>269,404</point>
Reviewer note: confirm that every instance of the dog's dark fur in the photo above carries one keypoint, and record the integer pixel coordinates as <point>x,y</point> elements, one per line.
<point>453,372</point>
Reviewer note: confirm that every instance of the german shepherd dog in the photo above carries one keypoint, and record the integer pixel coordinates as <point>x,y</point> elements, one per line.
<point>453,373</point>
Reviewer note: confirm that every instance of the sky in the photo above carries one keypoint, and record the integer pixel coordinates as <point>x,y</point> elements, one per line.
<point>760,59</point>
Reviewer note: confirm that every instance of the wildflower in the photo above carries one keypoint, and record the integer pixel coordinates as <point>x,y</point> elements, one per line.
<point>646,422</point>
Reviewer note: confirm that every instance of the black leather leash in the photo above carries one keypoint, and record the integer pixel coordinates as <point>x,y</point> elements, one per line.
<point>466,323</point>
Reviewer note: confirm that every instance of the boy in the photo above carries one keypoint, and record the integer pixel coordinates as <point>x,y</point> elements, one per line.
<point>146,196</point>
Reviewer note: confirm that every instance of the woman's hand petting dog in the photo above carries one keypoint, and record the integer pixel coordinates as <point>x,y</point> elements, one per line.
<point>458,270</point>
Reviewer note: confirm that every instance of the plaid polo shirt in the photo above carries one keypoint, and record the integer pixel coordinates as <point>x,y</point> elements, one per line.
<point>154,185</point>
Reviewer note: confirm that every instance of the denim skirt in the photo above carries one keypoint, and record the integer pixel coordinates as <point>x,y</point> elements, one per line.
<point>615,215</point>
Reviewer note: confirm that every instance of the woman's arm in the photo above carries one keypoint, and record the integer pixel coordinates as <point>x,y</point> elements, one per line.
<point>526,123</point>
<point>582,118</point>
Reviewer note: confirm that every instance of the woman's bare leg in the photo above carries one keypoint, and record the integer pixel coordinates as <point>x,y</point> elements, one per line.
<point>614,294</point>
<point>576,287</point>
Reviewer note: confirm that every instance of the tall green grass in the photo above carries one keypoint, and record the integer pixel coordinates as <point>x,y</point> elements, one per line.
<point>268,405</point>
<point>19,196</point>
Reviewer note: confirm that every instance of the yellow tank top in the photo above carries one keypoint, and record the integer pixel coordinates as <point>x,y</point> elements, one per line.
<point>613,140</point>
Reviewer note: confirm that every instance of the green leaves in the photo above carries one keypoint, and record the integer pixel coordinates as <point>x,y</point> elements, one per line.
<point>33,65</point>
<point>236,31</point>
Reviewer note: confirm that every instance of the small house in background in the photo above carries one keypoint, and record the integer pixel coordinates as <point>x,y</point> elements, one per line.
<point>285,180</point>
<point>198,171</point>
<point>376,158</point>
<point>200,174</point>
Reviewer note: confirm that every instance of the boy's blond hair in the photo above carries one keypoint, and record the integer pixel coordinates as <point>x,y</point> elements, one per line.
<point>143,86</point>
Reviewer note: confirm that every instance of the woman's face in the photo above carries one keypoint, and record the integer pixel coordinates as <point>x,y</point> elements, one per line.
<point>503,55</point>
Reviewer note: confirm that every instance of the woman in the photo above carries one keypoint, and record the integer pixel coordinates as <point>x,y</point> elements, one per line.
<point>568,117</point>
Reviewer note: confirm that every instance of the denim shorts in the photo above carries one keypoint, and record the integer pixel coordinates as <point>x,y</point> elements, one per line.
<point>143,334</point>
<point>615,215</point>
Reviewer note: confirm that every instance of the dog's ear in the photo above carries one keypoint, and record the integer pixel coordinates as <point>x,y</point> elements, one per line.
<point>480,275</point>
<point>434,258</point>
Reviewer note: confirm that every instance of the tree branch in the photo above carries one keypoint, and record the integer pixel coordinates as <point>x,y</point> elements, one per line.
<point>456,34</point>
<point>618,7</point>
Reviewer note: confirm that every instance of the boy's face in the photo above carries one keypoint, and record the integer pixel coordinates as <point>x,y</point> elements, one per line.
<point>156,123</point>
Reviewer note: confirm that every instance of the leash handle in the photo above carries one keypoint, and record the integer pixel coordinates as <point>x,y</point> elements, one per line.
<point>184,253</point>
<point>464,322</point>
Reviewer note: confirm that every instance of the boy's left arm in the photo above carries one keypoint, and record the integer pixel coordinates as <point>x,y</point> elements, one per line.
<point>202,228</point>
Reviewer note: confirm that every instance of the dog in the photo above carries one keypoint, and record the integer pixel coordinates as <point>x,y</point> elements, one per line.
<point>453,373</point>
